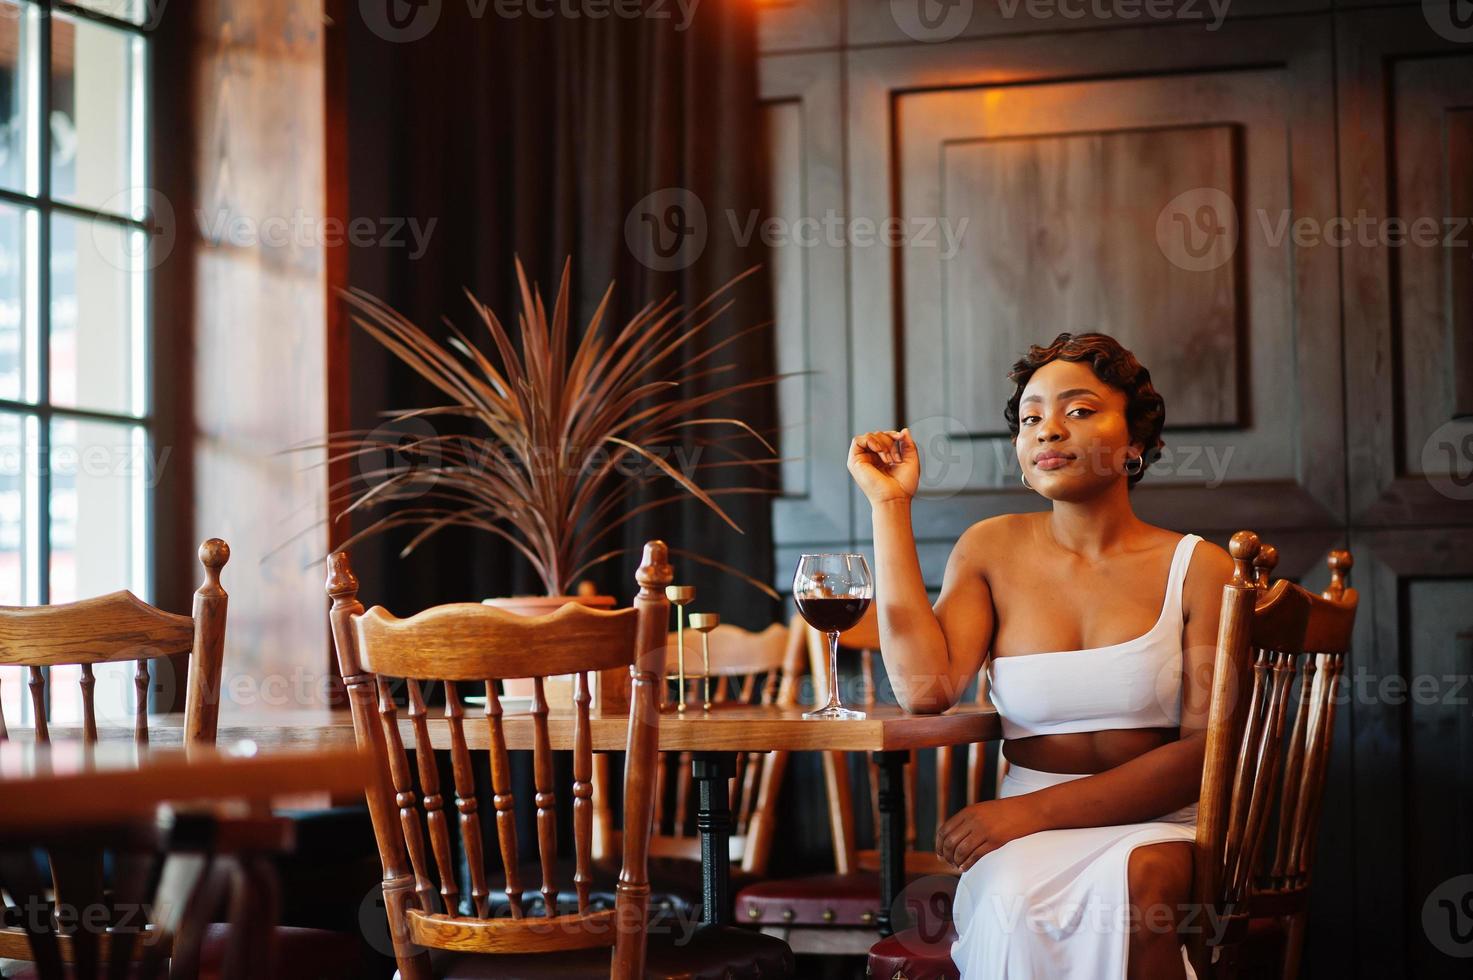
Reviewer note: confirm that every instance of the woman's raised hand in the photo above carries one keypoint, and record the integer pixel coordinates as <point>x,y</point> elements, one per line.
<point>885,464</point>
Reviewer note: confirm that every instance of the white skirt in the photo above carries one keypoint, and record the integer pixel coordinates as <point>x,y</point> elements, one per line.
<point>1055,904</point>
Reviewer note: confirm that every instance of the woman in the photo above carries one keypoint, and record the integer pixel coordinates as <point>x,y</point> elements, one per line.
<point>1082,866</point>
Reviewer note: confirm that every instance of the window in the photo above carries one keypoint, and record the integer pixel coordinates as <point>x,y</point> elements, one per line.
<point>75,419</point>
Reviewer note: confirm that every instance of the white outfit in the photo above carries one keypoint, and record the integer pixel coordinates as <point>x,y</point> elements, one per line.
<point>1055,905</point>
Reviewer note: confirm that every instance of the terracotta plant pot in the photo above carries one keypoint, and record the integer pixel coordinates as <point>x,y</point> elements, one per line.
<point>559,689</point>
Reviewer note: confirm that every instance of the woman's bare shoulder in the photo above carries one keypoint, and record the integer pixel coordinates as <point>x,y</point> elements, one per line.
<point>991,538</point>
<point>1210,564</point>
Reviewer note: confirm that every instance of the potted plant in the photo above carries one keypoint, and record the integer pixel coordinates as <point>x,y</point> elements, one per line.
<point>561,434</point>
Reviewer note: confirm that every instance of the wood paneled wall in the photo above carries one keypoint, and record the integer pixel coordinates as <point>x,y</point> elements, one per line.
<point>240,94</point>
<point>1176,183</point>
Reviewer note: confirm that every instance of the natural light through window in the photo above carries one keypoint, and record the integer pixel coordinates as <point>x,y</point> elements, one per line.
<point>75,425</point>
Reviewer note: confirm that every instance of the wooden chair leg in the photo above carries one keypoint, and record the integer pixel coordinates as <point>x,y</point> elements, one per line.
<point>1293,945</point>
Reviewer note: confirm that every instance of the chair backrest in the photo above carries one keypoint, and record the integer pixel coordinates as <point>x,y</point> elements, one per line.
<point>1264,774</point>
<point>850,854</point>
<point>747,667</point>
<point>120,627</point>
<point>469,642</point>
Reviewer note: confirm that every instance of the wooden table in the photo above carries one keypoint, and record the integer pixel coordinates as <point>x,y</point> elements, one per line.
<point>67,784</point>
<point>713,738</point>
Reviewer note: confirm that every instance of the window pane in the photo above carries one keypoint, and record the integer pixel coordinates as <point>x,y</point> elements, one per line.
<point>17,24</point>
<point>16,466</point>
<point>96,316</point>
<point>18,326</point>
<point>14,487</point>
<point>99,477</point>
<point>94,114</point>
<point>132,11</point>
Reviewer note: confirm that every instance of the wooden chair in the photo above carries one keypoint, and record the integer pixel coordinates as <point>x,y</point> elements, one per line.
<point>1257,786</point>
<point>462,643</point>
<point>838,913</point>
<point>121,627</point>
<point>108,629</point>
<point>747,668</point>
<point>1264,777</point>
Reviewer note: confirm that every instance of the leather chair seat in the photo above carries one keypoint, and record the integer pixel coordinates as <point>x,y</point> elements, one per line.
<point>834,899</point>
<point>919,953</point>
<point>711,953</point>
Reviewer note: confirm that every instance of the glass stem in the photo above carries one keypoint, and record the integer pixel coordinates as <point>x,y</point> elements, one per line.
<point>834,670</point>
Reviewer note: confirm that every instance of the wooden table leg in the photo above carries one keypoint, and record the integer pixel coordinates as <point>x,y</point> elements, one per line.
<point>892,833</point>
<point>713,820</point>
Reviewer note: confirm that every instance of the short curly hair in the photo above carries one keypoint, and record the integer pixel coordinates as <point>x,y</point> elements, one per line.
<point>1145,409</point>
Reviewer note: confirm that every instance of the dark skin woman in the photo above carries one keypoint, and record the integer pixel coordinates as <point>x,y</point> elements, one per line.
<point>1084,574</point>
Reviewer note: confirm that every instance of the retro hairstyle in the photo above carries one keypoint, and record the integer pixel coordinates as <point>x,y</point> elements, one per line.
<point>1145,410</point>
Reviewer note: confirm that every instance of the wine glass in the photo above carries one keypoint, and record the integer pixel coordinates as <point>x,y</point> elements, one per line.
<point>833,591</point>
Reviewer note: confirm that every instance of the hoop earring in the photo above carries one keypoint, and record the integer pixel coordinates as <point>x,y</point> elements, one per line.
<point>1140,464</point>
<point>1024,478</point>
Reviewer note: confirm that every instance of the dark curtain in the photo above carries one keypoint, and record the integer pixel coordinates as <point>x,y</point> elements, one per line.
<point>537,137</point>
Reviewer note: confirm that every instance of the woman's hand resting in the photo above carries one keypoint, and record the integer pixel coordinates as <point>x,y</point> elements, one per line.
<point>885,464</point>
<point>981,828</point>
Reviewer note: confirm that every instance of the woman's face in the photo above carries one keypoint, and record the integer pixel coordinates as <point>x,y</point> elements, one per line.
<point>1073,438</point>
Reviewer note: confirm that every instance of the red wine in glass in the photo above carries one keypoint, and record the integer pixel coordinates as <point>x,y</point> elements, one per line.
<point>832,592</point>
<point>832,615</point>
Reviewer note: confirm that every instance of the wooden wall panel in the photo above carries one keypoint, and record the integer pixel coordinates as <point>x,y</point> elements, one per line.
<point>1267,82</point>
<point>1406,94</point>
<point>1409,708</point>
<point>260,357</point>
<point>1062,143</point>
<point>801,93</point>
<point>1042,208</point>
<point>795,25</point>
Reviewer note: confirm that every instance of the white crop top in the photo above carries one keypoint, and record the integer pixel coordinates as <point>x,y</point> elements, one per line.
<point>1135,684</point>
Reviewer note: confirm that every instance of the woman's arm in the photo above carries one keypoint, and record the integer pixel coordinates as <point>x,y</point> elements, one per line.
<point>930,655</point>
<point>1154,783</point>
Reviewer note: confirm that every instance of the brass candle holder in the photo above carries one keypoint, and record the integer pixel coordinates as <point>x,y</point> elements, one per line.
<point>680,596</point>
<point>704,623</point>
